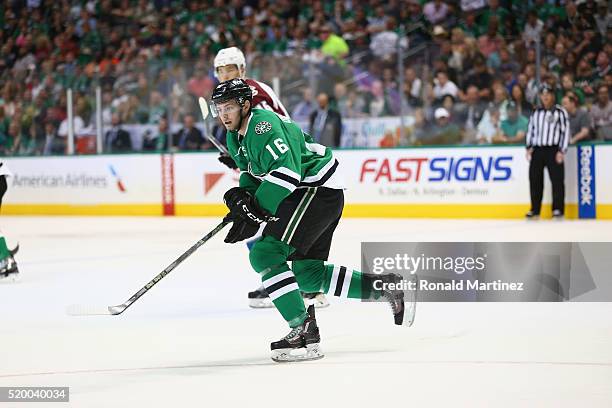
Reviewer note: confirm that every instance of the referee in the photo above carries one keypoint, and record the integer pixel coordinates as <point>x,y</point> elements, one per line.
<point>548,135</point>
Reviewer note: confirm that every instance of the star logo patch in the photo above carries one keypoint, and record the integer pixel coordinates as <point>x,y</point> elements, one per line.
<point>263,127</point>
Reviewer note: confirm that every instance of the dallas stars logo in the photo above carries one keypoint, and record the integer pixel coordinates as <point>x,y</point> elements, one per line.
<point>263,127</point>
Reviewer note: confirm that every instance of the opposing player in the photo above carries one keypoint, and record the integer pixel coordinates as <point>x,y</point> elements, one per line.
<point>8,266</point>
<point>230,64</point>
<point>290,184</point>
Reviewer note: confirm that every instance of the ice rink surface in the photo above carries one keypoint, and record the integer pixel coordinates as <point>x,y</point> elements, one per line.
<point>193,342</point>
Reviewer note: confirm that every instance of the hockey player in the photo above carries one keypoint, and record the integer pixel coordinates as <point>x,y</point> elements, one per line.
<point>229,64</point>
<point>290,184</point>
<point>8,266</point>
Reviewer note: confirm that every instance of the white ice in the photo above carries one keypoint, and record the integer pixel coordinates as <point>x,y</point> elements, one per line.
<point>192,340</point>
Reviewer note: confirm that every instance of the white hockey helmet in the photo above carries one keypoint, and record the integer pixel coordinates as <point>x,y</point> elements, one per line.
<point>229,56</point>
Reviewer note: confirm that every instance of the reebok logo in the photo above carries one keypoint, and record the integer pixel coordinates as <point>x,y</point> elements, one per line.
<point>586,196</point>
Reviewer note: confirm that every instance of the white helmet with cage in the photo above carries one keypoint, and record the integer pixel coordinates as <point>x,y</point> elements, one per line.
<point>230,56</point>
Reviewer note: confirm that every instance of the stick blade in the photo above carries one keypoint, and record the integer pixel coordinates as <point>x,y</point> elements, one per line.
<point>91,310</point>
<point>203,107</point>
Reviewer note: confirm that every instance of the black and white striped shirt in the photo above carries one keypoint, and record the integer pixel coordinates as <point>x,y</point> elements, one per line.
<point>549,127</point>
<point>4,170</point>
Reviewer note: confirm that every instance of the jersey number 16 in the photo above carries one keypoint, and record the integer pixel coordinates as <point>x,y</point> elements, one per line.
<point>280,146</point>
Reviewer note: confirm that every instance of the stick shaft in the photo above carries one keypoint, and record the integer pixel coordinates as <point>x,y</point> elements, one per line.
<point>171,267</point>
<point>205,111</point>
<point>216,143</point>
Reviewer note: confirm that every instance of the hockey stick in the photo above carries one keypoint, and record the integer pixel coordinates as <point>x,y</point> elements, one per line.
<point>205,112</point>
<point>82,310</point>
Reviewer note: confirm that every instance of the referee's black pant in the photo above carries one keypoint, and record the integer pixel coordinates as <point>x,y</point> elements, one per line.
<point>3,187</point>
<point>542,157</point>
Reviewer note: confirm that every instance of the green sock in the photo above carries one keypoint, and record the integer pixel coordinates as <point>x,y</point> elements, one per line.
<point>269,258</point>
<point>343,282</point>
<point>282,288</point>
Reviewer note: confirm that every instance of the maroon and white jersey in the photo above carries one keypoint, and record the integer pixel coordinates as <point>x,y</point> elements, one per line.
<point>265,98</point>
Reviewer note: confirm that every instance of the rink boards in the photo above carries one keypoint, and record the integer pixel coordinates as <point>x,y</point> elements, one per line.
<point>444,182</point>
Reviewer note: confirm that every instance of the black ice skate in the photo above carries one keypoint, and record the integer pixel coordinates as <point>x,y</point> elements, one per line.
<point>8,267</point>
<point>383,286</point>
<point>259,299</point>
<point>395,297</point>
<point>301,344</point>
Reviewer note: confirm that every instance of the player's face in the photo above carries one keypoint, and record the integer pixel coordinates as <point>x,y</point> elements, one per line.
<point>228,72</point>
<point>229,113</point>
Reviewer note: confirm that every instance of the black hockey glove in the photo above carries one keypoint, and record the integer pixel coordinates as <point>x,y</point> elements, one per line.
<point>245,214</point>
<point>227,160</point>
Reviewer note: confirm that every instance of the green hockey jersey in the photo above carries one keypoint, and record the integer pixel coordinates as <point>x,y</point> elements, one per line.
<point>276,157</point>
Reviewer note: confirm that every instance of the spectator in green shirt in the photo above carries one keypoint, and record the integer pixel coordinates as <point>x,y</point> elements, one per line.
<point>567,85</point>
<point>277,45</point>
<point>548,12</point>
<point>159,140</point>
<point>33,142</point>
<point>585,76</point>
<point>493,10</point>
<point>12,139</point>
<point>157,107</point>
<point>4,123</point>
<point>470,26</point>
<point>444,131</point>
<point>514,127</point>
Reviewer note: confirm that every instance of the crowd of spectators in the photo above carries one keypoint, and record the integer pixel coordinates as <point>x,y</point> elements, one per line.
<point>470,66</point>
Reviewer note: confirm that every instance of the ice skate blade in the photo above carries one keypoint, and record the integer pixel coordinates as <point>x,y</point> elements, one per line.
<point>321,305</point>
<point>309,353</point>
<point>410,303</point>
<point>319,301</point>
<point>11,278</point>
<point>409,314</point>
<point>261,303</point>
